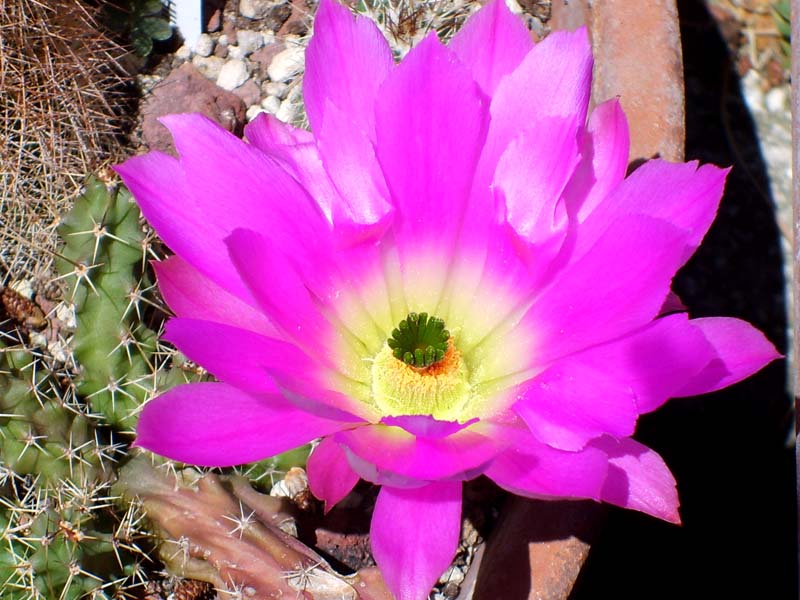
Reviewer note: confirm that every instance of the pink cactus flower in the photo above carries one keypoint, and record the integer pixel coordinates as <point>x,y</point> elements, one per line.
<point>448,276</point>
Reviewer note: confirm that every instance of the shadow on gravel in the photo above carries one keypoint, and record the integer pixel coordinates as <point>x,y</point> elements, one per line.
<point>728,450</point>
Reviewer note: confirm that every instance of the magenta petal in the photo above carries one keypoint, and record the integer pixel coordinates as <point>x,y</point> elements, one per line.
<point>295,150</point>
<point>392,449</point>
<point>655,362</point>
<point>216,425</point>
<point>346,61</point>
<point>572,403</point>
<point>277,286</point>
<point>267,133</point>
<point>159,186</point>
<point>604,162</point>
<point>219,185</point>
<point>349,157</point>
<point>251,361</point>
<point>428,156</point>
<point>672,304</point>
<point>604,389</point>
<point>533,469</point>
<point>740,349</point>
<point>680,193</point>
<point>492,43</point>
<point>330,477</point>
<point>638,479</point>
<point>533,172</point>
<point>426,426</point>
<point>414,536</point>
<point>192,295</point>
<point>247,189</point>
<point>555,77</point>
<point>369,472</point>
<point>616,287</point>
<point>236,356</point>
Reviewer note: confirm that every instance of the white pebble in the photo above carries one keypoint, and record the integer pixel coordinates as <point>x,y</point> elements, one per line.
<point>210,66</point>
<point>223,40</point>
<point>249,41</point>
<point>271,104</point>
<point>777,99</point>
<point>751,89</point>
<point>235,52</point>
<point>287,111</point>
<point>253,112</point>
<point>184,52</point>
<point>232,75</point>
<point>286,64</point>
<point>276,88</point>
<point>204,45</point>
<point>252,9</point>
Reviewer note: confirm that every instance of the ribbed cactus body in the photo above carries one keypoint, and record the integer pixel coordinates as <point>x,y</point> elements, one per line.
<point>59,535</point>
<point>104,259</point>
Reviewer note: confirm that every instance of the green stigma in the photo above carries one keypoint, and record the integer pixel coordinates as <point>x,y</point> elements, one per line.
<point>419,340</point>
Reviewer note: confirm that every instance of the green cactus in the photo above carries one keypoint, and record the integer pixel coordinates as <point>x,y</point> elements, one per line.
<point>64,545</point>
<point>120,365</point>
<point>39,433</point>
<point>103,257</point>
<point>59,535</point>
<point>63,534</point>
<point>781,13</point>
<point>143,21</point>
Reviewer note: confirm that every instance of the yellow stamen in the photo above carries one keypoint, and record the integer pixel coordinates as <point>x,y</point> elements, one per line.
<point>441,390</point>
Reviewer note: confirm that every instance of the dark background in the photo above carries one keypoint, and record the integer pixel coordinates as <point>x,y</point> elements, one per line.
<point>730,451</point>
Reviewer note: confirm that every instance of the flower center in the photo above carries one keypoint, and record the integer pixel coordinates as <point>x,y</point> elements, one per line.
<point>421,372</point>
<point>419,340</point>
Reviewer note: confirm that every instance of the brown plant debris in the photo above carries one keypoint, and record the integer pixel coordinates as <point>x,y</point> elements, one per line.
<point>219,530</point>
<point>21,310</point>
<point>62,96</point>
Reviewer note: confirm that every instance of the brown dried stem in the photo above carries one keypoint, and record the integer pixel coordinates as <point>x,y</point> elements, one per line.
<point>218,529</point>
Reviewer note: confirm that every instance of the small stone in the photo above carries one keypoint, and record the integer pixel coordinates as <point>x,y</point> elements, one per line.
<point>777,99</point>
<point>210,66</point>
<point>204,45</point>
<point>249,41</point>
<point>249,92</point>
<point>287,111</point>
<point>253,112</point>
<point>453,575</point>
<point>775,72</point>
<point>184,52</point>
<point>232,75</point>
<point>271,104</point>
<point>270,14</point>
<point>254,9</point>
<point>297,21</point>
<point>229,30</point>
<point>751,89</point>
<point>215,21</point>
<point>286,64</point>
<point>222,40</point>
<point>186,90</point>
<point>235,52</point>
<point>221,50</point>
<point>276,88</point>
<point>264,56</point>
